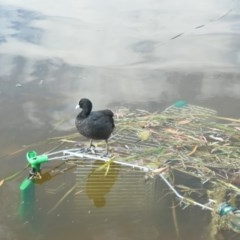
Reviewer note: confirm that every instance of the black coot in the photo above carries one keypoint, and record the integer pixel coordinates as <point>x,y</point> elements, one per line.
<point>97,125</point>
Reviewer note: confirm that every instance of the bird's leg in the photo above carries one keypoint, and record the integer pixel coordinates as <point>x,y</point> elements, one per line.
<point>107,149</point>
<point>91,147</point>
<point>106,146</point>
<point>107,154</point>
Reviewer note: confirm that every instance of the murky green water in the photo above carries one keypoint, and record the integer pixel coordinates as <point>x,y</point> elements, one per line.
<point>141,54</point>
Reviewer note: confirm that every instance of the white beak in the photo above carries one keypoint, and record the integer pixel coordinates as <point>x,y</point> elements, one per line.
<point>77,106</point>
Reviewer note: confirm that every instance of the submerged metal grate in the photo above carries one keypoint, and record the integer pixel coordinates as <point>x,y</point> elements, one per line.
<point>124,188</point>
<point>120,192</point>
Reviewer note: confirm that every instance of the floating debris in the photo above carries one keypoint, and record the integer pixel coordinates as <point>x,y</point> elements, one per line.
<point>2,182</point>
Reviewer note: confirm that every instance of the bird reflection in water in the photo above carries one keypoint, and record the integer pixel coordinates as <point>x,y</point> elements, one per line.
<point>100,182</point>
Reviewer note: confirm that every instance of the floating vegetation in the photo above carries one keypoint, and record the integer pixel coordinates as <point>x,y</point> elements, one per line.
<point>200,149</point>
<point>1,182</point>
<point>193,137</point>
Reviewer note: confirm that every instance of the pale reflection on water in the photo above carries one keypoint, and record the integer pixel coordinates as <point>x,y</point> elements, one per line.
<point>140,54</point>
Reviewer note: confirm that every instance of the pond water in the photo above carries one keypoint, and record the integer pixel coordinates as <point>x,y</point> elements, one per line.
<point>135,53</point>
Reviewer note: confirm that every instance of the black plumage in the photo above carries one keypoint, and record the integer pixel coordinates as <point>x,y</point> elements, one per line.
<point>95,125</point>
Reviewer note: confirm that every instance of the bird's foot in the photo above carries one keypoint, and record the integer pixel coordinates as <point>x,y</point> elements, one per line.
<point>106,155</point>
<point>84,149</point>
<point>92,150</point>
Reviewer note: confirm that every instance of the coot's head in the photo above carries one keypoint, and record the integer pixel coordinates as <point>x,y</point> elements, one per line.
<point>85,104</point>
